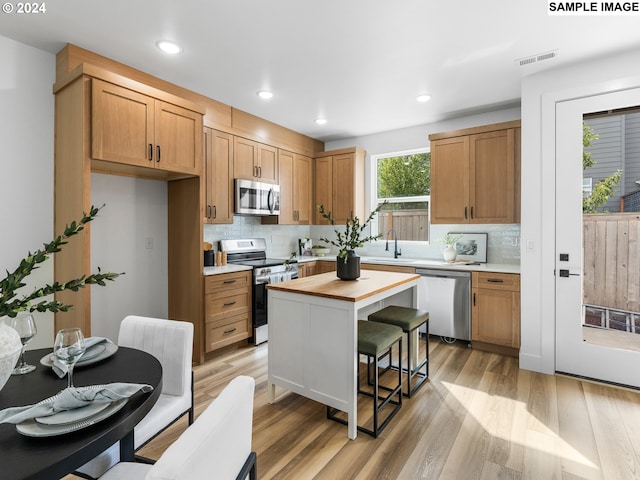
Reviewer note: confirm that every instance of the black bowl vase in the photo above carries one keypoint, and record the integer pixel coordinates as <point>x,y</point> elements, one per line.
<point>348,268</point>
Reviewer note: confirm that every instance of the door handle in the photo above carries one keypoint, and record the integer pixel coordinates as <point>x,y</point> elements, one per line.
<point>566,273</point>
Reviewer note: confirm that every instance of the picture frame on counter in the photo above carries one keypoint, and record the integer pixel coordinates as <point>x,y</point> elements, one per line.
<point>471,246</point>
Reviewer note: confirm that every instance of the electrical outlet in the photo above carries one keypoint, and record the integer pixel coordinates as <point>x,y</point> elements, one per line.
<point>148,243</point>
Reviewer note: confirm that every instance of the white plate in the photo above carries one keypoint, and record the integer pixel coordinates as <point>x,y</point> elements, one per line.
<point>72,416</point>
<point>109,349</point>
<point>31,428</point>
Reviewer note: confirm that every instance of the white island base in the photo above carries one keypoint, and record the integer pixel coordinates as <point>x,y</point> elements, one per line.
<point>313,333</point>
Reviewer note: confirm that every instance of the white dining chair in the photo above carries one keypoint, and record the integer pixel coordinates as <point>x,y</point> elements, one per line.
<point>217,445</point>
<point>171,342</point>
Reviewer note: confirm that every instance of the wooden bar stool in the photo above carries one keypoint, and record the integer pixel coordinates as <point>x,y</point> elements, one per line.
<point>376,340</point>
<point>408,319</point>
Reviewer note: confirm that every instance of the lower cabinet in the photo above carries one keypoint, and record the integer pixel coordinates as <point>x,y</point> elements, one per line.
<point>306,269</point>
<point>495,312</point>
<point>227,309</point>
<point>325,266</point>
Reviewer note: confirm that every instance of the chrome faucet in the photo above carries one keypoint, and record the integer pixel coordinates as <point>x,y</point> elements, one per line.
<point>396,252</point>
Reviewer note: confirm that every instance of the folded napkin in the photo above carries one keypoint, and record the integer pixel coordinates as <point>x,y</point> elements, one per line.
<point>61,368</point>
<point>72,398</point>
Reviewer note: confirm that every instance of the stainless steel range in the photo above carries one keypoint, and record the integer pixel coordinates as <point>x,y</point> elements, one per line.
<point>253,252</point>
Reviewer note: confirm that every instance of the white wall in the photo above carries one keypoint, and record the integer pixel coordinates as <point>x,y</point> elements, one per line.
<point>540,93</point>
<point>129,235</point>
<point>26,164</point>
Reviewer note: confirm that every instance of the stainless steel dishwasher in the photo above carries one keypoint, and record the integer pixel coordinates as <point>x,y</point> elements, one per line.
<point>446,295</point>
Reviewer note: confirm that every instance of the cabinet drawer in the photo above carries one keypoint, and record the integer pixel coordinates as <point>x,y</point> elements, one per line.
<point>496,281</point>
<point>227,281</point>
<point>223,304</point>
<point>218,336</point>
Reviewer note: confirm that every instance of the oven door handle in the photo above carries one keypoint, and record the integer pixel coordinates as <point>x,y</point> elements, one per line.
<point>263,280</point>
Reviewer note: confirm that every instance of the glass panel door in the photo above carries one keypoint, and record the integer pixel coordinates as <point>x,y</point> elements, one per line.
<point>583,348</point>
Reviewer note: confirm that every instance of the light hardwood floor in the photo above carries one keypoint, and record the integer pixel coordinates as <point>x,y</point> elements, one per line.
<point>479,417</point>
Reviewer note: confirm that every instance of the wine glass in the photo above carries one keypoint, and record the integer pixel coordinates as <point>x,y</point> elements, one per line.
<point>68,348</point>
<point>26,328</point>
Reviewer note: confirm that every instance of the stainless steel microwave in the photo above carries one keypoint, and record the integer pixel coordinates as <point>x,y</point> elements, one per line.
<point>256,198</point>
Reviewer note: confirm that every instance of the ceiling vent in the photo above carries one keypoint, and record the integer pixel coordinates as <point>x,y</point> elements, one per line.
<point>537,58</point>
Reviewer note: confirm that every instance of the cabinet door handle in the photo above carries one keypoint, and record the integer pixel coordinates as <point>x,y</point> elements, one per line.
<point>474,299</point>
<point>228,304</point>
<point>215,212</point>
<point>495,280</point>
<point>255,171</point>
<point>259,172</point>
<point>465,213</point>
<point>150,152</point>
<point>158,158</point>
<point>231,330</point>
<point>208,211</point>
<point>472,212</point>
<point>230,281</point>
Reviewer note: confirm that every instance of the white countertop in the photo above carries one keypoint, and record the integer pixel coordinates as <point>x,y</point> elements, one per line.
<point>225,269</point>
<point>425,263</point>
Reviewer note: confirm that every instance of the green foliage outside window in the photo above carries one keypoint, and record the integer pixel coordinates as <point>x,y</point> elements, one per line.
<point>604,189</point>
<point>404,176</point>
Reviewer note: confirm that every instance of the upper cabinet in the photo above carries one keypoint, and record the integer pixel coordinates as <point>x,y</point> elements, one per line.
<point>255,161</point>
<point>296,186</point>
<point>475,175</point>
<point>218,148</point>
<point>135,129</point>
<point>339,184</point>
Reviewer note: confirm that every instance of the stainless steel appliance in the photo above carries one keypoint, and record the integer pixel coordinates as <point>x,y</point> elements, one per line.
<point>253,252</point>
<point>446,295</point>
<point>256,198</point>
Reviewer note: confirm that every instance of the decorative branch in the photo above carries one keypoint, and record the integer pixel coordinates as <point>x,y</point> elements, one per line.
<point>11,306</point>
<point>351,238</point>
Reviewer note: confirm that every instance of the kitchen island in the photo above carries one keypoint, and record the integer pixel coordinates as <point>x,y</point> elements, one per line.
<point>313,333</point>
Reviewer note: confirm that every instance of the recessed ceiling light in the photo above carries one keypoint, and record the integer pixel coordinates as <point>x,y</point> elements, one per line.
<point>423,97</point>
<point>169,47</point>
<point>265,94</point>
<point>321,121</point>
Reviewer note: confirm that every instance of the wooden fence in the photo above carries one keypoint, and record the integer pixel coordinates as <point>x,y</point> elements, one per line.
<point>612,261</point>
<point>408,224</point>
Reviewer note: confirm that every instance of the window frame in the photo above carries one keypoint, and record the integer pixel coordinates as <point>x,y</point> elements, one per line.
<point>373,193</point>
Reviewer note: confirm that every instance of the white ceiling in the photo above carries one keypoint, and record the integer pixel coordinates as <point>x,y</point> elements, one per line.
<point>359,63</point>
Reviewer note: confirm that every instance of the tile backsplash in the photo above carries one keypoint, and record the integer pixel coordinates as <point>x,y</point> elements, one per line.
<point>503,241</point>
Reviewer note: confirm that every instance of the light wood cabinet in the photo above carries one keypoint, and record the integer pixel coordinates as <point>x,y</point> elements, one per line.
<point>104,123</point>
<point>474,177</point>
<point>219,179</point>
<point>255,161</point>
<point>339,184</point>
<point>136,129</point>
<point>227,309</point>
<point>307,269</point>
<point>296,186</point>
<point>324,266</point>
<point>495,311</point>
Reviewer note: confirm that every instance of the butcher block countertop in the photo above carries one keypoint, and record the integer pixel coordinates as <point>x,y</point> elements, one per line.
<point>328,285</point>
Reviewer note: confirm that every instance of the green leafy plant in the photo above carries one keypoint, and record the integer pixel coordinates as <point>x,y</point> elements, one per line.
<point>605,188</point>
<point>11,304</point>
<point>450,239</point>
<point>353,235</point>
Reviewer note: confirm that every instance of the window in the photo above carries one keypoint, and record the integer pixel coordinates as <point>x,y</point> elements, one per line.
<point>404,180</point>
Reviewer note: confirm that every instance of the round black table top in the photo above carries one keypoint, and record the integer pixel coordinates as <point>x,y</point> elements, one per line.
<point>23,457</point>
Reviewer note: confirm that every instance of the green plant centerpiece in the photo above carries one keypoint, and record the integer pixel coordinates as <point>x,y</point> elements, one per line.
<point>354,236</point>
<point>11,304</point>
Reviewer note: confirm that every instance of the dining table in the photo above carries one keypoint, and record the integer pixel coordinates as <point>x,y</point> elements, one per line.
<point>56,455</point>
